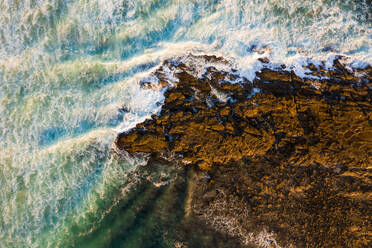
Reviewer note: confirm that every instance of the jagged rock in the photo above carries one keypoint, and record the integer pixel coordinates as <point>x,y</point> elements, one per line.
<point>292,156</point>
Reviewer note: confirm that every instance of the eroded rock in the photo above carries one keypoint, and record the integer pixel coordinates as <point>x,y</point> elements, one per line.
<point>292,156</point>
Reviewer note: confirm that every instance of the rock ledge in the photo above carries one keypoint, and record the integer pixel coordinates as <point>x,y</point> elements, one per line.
<point>282,154</point>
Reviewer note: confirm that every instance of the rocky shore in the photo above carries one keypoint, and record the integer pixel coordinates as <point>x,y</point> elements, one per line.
<point>282,161</point>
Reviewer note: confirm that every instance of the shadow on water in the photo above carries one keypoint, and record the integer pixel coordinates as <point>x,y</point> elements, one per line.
<point>153,216</point>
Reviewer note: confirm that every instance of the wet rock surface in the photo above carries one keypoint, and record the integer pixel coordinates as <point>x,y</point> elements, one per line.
<point>277,162</point>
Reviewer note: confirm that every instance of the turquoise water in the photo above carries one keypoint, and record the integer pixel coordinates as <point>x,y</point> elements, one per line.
<point>67,68</point>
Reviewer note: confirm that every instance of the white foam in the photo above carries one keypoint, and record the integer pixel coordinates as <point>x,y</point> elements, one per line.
<point>49,53</point>
<point>220,95</point>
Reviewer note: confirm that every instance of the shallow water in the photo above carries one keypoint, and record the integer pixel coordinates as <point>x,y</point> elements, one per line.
<point>69,82</point>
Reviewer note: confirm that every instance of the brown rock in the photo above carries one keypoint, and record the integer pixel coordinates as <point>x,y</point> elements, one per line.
<point>294,159</point>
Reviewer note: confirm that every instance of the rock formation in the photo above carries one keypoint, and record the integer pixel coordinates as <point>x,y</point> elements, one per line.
<point>281,161</point>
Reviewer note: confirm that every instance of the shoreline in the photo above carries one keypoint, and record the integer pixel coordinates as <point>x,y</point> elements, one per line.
<point>281,160</point>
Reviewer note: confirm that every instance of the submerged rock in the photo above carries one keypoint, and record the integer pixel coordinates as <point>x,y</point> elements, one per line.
<point>280,161</point>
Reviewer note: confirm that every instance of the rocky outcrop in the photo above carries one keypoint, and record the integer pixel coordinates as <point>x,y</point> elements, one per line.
<point>281,155</point>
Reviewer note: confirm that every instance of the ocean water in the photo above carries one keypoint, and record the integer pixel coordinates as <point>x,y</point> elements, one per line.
<point>69,83</point>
